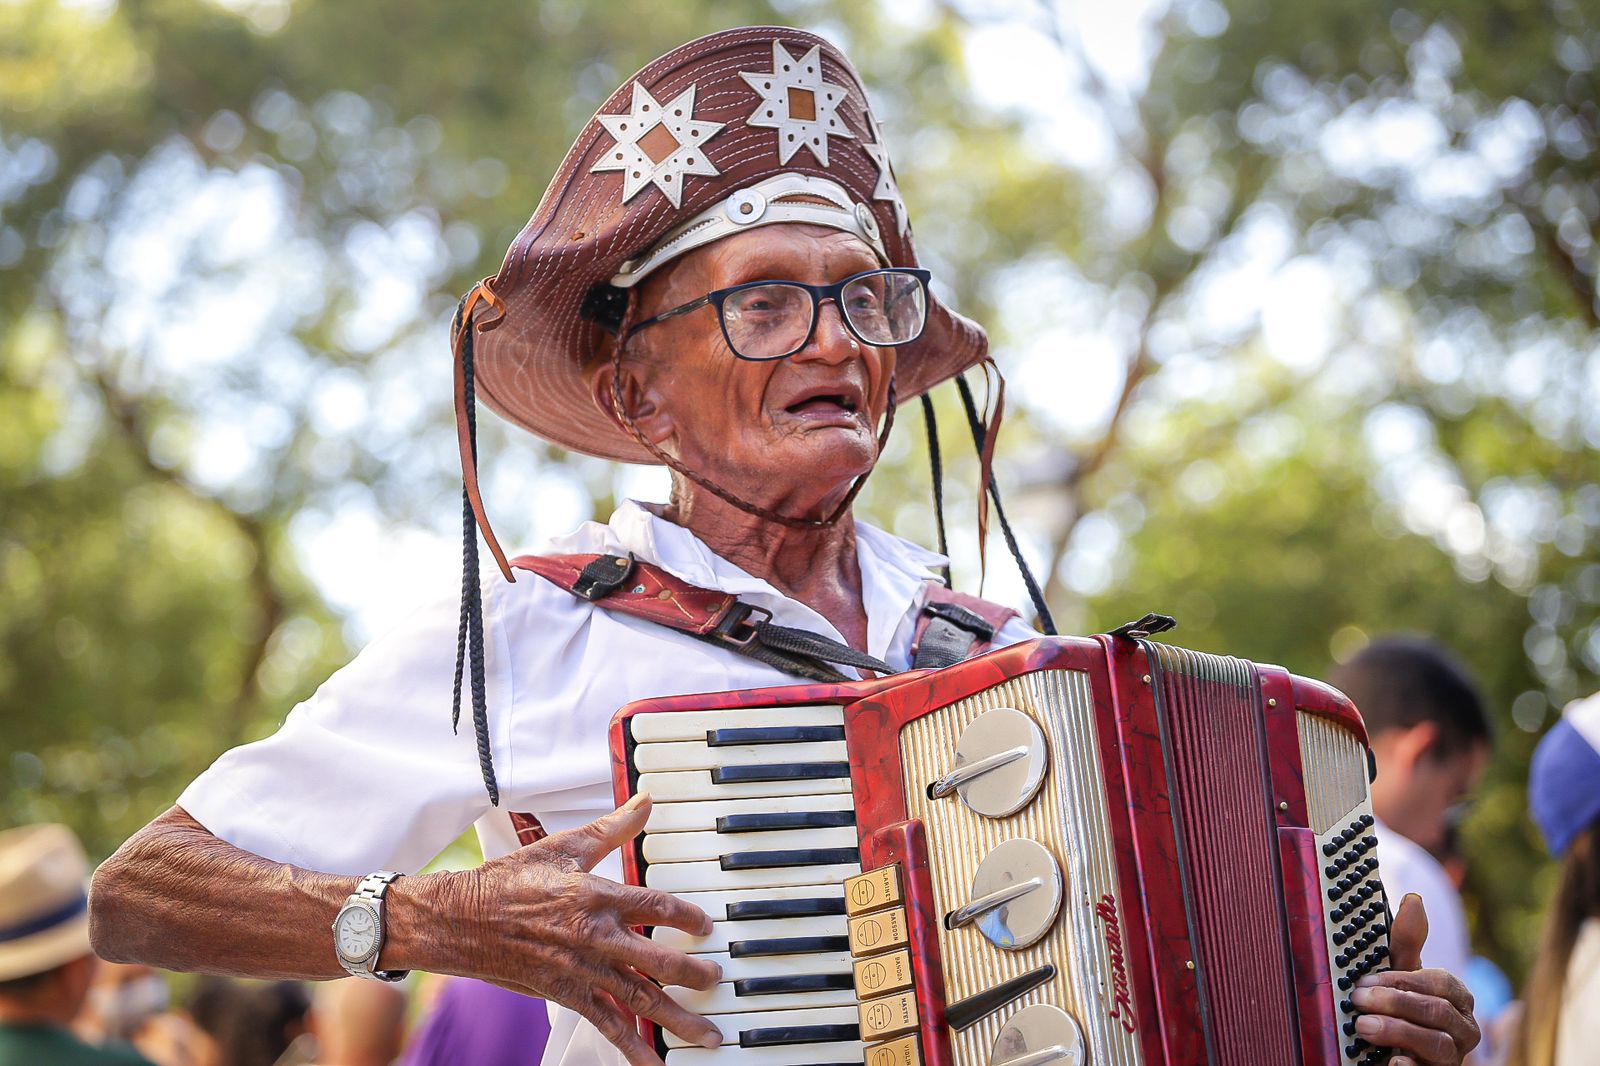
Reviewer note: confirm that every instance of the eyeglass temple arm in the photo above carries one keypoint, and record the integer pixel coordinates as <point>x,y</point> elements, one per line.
<point>683,309</point>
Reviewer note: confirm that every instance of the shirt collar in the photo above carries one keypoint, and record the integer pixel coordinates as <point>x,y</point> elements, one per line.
<point>893,570</point>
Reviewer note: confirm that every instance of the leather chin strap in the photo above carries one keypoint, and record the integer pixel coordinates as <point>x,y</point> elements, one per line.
<point>620,410</point>
<point>466,407</point>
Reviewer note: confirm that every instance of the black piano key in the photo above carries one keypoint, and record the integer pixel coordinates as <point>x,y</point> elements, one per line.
<point>755,909</point>
<point>803,982</point>
<point>967,1011</point>
<point>779,771</point>
<point>780,1035</point>
<point>756,823</point>
<point>774,734</point>
<point>788,945</point>
<point>769,860</point>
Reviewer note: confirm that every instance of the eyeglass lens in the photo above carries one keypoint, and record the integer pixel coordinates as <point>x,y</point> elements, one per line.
<point>772,321</point>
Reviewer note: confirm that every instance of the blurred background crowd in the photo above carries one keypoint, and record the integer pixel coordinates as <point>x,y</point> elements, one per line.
<point>1297,303</point>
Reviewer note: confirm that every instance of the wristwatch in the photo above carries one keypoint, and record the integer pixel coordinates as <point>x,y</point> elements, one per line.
<point>358,929</point>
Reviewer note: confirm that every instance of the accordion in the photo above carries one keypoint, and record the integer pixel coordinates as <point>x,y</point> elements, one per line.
<point>1103,851</point>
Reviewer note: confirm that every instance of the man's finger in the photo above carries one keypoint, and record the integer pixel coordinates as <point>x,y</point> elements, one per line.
<point>588,844</point>
<point>1432,1046</point>
<point>618,1027</point>
<point>1436,983</point>
<point>1408,933</point>
<point>671,967</point>
<point>645,999</point>
<point>651,906</point>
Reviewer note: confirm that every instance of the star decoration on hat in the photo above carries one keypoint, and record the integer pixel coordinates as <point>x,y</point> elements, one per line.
<point>658,144</point>
<point>796,102</point>
<point>886,189</point>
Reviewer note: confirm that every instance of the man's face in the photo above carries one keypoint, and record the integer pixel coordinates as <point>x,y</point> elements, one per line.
<point>787,433</point>
<point>1418,783</point>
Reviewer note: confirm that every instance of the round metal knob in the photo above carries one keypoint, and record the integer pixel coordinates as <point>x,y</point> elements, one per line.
<point>1016,894</point>
<point>1000,763</point>
<point>1040,1035</point>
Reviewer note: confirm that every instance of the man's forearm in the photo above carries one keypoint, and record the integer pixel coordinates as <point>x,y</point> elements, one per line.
<point>177,897</point>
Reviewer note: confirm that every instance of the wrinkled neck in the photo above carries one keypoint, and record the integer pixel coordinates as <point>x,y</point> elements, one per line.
<point>815,565</point>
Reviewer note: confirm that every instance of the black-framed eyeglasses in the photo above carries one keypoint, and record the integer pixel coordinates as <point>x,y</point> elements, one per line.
<point>764,320</point>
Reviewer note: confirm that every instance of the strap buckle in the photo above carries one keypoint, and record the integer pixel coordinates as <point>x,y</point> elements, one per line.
<point>737,629</point>
<point>961,618</point>
<point>1148,626</point>
<point>603,576</point>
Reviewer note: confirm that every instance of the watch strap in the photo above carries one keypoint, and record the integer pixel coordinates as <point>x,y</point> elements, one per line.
<point>373,888</point>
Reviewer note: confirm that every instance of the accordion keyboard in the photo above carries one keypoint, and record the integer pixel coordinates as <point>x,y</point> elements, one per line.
<point>754,823</point>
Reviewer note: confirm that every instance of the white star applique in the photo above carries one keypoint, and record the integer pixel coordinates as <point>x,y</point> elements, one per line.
<point>658,144</point>
<point>886,189</point>
<point>798,103</point>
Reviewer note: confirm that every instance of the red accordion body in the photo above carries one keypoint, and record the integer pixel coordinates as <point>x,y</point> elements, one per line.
<point>1203,821</point>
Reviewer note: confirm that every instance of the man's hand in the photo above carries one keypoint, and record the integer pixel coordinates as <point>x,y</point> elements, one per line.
<point>1424,1014</point>
<point>545,925</point>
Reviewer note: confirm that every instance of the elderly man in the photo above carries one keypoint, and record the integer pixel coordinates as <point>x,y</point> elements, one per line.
<point>720,279</point>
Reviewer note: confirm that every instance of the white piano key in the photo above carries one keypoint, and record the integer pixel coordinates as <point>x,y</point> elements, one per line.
<point>675,785</point>
<point>698,755</point>
<point>720,999</point>
<point>693,725</point>
<point>698,817</point>
<point>777,966</point>
<point>688,847</point>
<point>709,876</point>
<point>732,1025</point>
<point>846,1051</point>
<point>715,903</point>
<point>725,933</point>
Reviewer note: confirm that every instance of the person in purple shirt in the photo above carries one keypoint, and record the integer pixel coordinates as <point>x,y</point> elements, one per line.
<point>484,1024</point>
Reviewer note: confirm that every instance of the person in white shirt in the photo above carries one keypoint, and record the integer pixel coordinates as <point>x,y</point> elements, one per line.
<point>1431,742</point>
<point>720,279</point>
<point>1560,1023</point>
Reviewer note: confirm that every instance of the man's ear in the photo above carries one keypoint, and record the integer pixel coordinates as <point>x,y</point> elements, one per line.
<point>1419,742</point>
<point>640,400</point>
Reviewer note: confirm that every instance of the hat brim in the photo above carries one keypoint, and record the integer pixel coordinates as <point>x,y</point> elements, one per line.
<point>45,950</point>
<point>529,354</point>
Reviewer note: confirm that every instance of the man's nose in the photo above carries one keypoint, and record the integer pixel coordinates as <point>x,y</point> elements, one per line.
<point>831,340</point>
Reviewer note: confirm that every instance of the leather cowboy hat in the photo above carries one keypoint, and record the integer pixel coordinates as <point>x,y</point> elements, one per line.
<point>744,127</point>
<point>44,908</point>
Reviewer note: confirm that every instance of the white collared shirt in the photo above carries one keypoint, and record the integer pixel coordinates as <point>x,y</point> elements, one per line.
<point>367,774</point>
<point>1406,867</point>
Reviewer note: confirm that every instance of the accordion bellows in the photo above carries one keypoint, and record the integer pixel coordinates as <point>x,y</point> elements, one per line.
<point>1076,850</point>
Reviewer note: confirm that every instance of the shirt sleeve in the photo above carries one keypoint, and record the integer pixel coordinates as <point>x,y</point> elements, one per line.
<point>368,773</point>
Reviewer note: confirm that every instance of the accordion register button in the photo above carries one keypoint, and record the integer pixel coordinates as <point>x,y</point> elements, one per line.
<point>1016,895</point>
<point>901,1052</point>
<point>872,890</point>
<point>878,932</point>
<point>1040,1035</point>
<point>889,1016</point>
<point>883,974</point>
<point>1000,762</point>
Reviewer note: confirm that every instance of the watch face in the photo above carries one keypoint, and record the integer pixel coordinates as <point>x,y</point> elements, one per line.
<point>355,934</point>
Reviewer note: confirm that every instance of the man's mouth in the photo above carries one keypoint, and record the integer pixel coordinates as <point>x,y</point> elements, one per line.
<point>823,405</point>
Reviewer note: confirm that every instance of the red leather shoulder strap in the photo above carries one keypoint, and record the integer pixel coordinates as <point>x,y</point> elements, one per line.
<point>649,592</point>
<point>992,613</point>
